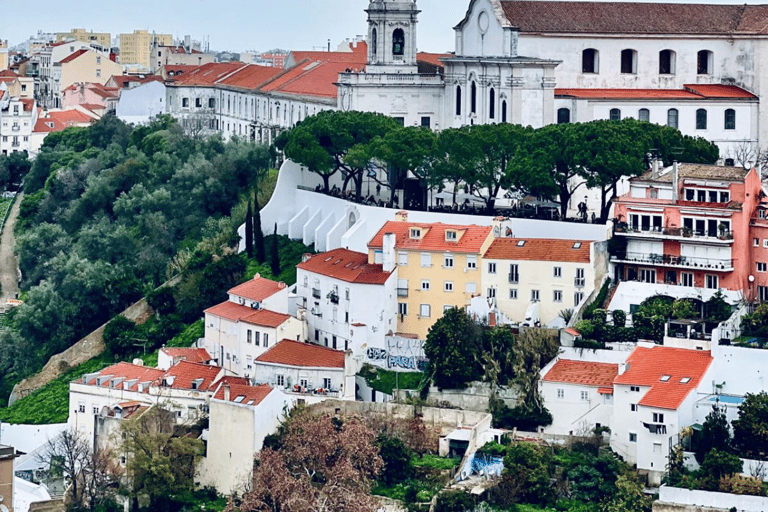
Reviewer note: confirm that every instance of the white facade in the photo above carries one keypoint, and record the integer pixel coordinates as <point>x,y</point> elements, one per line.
<point>286,377</point>
<point>17,120</point>
<point>138,105</point>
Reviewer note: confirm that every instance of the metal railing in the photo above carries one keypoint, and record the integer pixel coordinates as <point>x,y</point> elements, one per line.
<point>316,293</point>
<point>722,234</point>
<point>676,261</point>
<point>402,292</point>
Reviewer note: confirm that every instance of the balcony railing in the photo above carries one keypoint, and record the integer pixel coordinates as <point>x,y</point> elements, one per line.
<point>316,293</point>
<point>579,281</point>
<point>720,234</point>
<point>402,292</point>
<point>668,260</point>
<point>334,297</point>
<point>15,128</point>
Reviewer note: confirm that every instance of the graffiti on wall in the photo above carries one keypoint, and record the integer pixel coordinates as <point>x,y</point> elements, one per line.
<point>402,353</point>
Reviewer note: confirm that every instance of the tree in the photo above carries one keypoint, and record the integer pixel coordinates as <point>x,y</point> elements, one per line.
<point>66,455</point>
<point>455,500</point>
<point>717,465</point>
<point>628,497</point>
<point>119,336</point>
<point>322,464</point>
<point>453,350</point>
<point>397,460</point>
<point>529,465</point>
<point>258,234</point>
<point>716,309</point>
<point>714,434</point>
<point>756,323</point>
<point>275,260</point>
<point>249,230</point>
<point>684,309</point>
<point>750,435</point>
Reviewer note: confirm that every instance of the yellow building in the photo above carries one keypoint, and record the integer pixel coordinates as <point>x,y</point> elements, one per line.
<point>136,48</point>
<point>4,63</point>
<point>80,34</point>
<point>438,267</point>
<point>85,66</point>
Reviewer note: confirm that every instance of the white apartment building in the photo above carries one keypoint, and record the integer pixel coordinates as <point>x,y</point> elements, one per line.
<point>17,121</point>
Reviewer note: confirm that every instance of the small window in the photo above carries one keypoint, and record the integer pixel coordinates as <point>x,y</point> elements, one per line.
<point>402,308</point>
<point>557,296</point>
<point>491,268</point>
<point>398,42</point>
<point>458,100</point>
<point>664,378</point>
<point>756,242</point>
<point>760,266</point>
<point>666,62</point>
<point>425,285</point>
<point>185,102</point>
<point>672,118</point>
<point>563,115</point>
<point>426,259</point>
<point>589,61</point>
<point>211,102</point>
<point>585,395</point>
<point>424,310</point>
<point>491,104</point>
<point>704,62</point>
<point>520,243</point>
<point>701,119</point>
<point>470,287</point>
<point>712,282</point>
<point>632,437</point>
<point>448,261</point>
<point>685,380</point>
<point>198,102</point>
<point>402,259</point>
<point>557,272</point>
<point>491,293</point>
<point>634,388</point>
<point>415,233</point>
<point>633,407</point>
<point>447,307</point>
<point>473,98</point>
<point>471,261</point>
<point>614,114</point>
<point>644,115</point>
<point>448,286</point>
<point>628,61</point>
<point>560,393</point>
<point>450,235</point>
<point>534,294</point>
<point>513,293</point>
<point>658,417</point>
<point>730,119</point>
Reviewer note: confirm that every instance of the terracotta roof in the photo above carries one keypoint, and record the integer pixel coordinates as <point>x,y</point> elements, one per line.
<point>359,55</point>
<point>73,56</point>
<point>697,171</point>
<point>539,249</point>
<point>310,78</point>
<point>250,76</point>
<point>635,18</point>
<point>648,366</point>
<point>243,393</point>
<point>7,73</point>
<point>605,391</point>
<point>124,80</point>
<point>572,331</point>
<point>126,371</point>
<point>29,104</point>
<point>690,92</point>
<point>585,373</point>
<point>433,58</point>
<point>207,74</point>
<point>194,355</point>
<point>185,372</point>
<point>239,313</point>
<point>297,353</point>
<point>180,50</point>
<point>470,238</point>
<point>257,289</point>
<point>60,120</point>
<point>346,265</point>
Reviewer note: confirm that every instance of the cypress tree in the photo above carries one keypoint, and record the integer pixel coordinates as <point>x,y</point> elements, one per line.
<point>249,231</point>
<point>275,256</point>
<point>258,234</point>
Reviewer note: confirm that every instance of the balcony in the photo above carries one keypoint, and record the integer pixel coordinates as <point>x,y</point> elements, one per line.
<point>15,128</point>
<point>579,282</point>
<point>722,236</point>
<point>316,293</point>
<point>402,292</point>
<point>334,297</point>
<point>668,260</point>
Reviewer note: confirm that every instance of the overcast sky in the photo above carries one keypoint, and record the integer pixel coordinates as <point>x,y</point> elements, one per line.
<point>234,25</point>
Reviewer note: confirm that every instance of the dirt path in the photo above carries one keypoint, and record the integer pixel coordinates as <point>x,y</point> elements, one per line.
<point>8,267</point>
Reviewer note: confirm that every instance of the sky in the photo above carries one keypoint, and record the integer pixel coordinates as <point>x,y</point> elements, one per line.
<point>232,25</point>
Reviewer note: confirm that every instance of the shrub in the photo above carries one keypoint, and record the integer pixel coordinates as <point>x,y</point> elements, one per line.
<point>119,336</point>
<point>454,501</point>
<point>619,318</point>
<point>740,484</point>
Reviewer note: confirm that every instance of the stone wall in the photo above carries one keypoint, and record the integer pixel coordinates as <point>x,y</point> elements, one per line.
<point>705,501</point>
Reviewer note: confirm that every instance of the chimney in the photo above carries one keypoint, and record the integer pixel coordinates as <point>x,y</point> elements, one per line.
<point>623,367</point>
<point>675,184</point>
<point>401,216</point>
<point>226,392</point>
<point>654,167</point>
<point>388,250</point>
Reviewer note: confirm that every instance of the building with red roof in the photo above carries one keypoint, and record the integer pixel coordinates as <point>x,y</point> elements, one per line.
<point>169,356</point>
<point>18,115</point>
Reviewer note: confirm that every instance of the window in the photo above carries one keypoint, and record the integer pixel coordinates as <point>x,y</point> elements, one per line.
<point>473,98</point>
<point>346,293</point>
<point>701,119</point>
<point>447,307</point>
<point>656,447</point>
<point>756,242</point>
<point>470,287</point>
<point>557,295</point>
<point>614,114</point>
<point>491,268</point>
<point>256,338</point>
<point>402,308</point>
<point>398,42</point>
<point>198,102</point>
<point>712,282</point>
<point>374,43</point>
<point>491,293</point>
<point>760,266</point>
<point>448,286</point>
<point>636,389</point>
<point>513,293</point>
<point>633,407</point>
<point>81,407</point>
<point>563,115</point>
<point>504,111</point>
<point>585,395</point>
<point>762,293</point>
<point>249,336</point>
<point>628,61</point>
<point>730,119</point>
<point>687,279</point>
<point>589,61</point>
<point>426,259</point>
<point>765,242</point>
<point>211,102</point>
<point>425,285</point>
<point>514,274</point>
<point>280,380</point>
<point>402,258</point>
<point>471,261</point>
<point>704,62</point>
<point>326,383</point>
<point>185,102</point>
<point>458,100</point>
<point>644,115</point>
<point>98,73</point>
<point>557,271</point>
<point>534,294</point>
<point>666,62</point>
<point>346,317</point>
<point>658,417</point>
<point>579,280</point>
<point>425,121</point>
<point>491,104</point>
<point>560,393</point>
<point>448,261</point>
<point>672,117</point>
<point>577,298</point>
<point>306,281</point>
<point>632,437</point>
<point>424,310</point>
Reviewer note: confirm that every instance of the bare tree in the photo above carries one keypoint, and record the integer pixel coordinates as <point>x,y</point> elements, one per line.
<point>66,455</point>
<point>744,154</point>
<point>199,123</point>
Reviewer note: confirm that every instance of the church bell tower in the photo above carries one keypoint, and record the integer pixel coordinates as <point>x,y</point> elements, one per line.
<point>392,36</point>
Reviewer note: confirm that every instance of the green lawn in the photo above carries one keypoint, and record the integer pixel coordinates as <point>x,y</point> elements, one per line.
<point>385,381</point>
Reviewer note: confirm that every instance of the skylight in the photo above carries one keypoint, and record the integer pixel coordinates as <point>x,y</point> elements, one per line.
<point>665,378</point>
<point>685,380</point>
<point>521,243</point>
<point>239,399</point>
<point>577,245</point>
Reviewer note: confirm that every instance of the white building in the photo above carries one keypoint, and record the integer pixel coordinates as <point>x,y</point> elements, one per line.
<point>17,120</point>
<point>138,105</point>
<point>170,356</point>
<point>534,279</point>
<point>340,292</point>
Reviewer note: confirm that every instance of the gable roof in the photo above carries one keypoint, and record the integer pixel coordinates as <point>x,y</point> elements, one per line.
<point>73,56</point>
<point>242,393</point>
<point>568,17</point>
<point>346,265</point>
<point>539,249</point>
<point>250,76</point>
<point>690,92</point>
<point>207,74</point>
<point>297,353</point>
<point>60,120</point>
<point>132,373</point>
<point>647,366</point>
<point>257,289</point>
<point>586,373</point>
<point>310,78</point>
<point>697,171</point>
<point>239,313</point>
<point>184,372</point>
<point>470,237</point>
<point>194,355</point>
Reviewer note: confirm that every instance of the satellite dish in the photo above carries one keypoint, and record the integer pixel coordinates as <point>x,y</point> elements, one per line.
<point>751,279</point>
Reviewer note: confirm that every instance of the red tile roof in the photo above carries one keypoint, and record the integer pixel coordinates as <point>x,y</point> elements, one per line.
<point>7,73</point>
<point>538,249</point>
<point>433,58</point>
<point>250,76</point>
<point>29,104</point>
<point>73,56</point>
<point>720,91</point>
<point>634,18</point>
<point>585,373</point>
<point>346,265</point>
<point>124,80</point>
<point>129,372</point>
<point>257,289</point>
<point>207,74</point>
<point>358,55</point>
<point>605,391</point>
<point>238,313</point>
<point>470,237</point>
<point>194,355</point>
<point>60,120</point>
<point>181,375</point>
<point>243,393</point>
<point>310,78</point>
<point>647,366</point>
<point>572,331</point>
<point>690,92</point>
<point>297,353</point>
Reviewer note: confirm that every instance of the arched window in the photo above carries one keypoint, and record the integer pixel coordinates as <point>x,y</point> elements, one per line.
<point>730,162</point>
<point>492,104</point>
<point>644,114</point>
<point>473,98</point>
<point>615,114</point>
<point>374,43</point>
<point>701,119</point>
<point>398,42</point>
<point>704,62</point>
<point>730,119</point>
<point>563,115</point>
<point>458,100</point>
<point>666,62</point>
<point>628,61</point>
<point>589,61</point>
<point>672,116</point>
<point>504,111</point>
